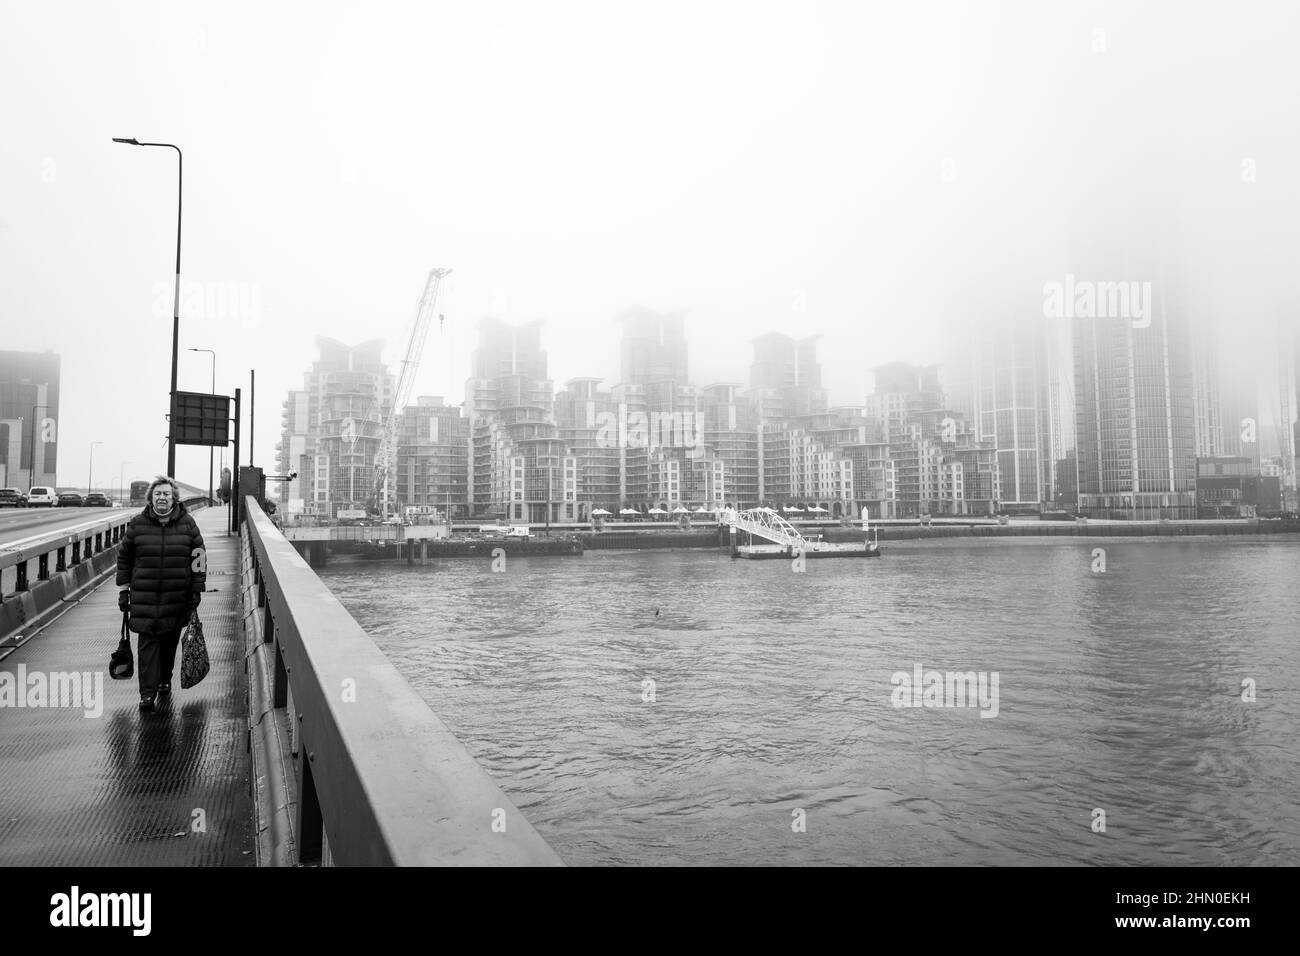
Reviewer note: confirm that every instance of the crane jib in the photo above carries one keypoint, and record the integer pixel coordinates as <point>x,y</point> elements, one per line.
<point>405,380</point>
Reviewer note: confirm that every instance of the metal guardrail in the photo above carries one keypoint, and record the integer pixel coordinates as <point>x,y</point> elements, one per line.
<point>68,546</point>
<point>377,779</point>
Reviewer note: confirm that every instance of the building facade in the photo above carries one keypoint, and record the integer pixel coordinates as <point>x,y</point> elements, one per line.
<point>29,419</point>
<point>432,459</point>
<point>1006,380</point>
<point>1135,421</point>
<point>334,426</point>
<point>512,436</point>
<point>295,451</point>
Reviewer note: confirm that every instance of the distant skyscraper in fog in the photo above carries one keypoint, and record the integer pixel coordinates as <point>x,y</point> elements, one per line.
<point>1295,399</point>
<point>1134,417</point>
<point>1207,408</point>
<point>1239,415</point>
<point>29,415</point>
<point>786,375</point>
<point>653,347</point>
<point>1288,411</point>
<point>1004,376</point>
<point>1133,345</point>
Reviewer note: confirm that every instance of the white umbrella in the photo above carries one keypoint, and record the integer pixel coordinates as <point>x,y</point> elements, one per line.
<point>679,510</point>
<point>791,509</point>
<point>657,511</point>
<point>701,510</point>
<point>819,510</point>
<point>600,511</point>
<point>629,511</point>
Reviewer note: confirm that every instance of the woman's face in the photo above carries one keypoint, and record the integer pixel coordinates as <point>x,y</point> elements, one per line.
<point>163,499</point>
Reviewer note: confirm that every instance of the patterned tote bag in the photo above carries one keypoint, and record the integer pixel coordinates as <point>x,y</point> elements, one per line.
<point>194,653</point>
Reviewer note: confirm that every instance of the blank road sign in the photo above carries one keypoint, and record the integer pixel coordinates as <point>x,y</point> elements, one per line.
<point>202,419</point>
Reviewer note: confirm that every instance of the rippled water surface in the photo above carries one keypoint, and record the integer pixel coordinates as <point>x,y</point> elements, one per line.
<point>1120,691</point>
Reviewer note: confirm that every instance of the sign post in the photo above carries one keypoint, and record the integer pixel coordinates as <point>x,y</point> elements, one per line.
<point>202,419</point>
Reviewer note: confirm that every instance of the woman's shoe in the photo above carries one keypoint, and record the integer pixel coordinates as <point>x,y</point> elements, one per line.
<point>165,687</point>
<point>146,703</point>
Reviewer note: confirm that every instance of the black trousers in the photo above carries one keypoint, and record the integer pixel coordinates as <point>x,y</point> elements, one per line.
<point>156,659</point>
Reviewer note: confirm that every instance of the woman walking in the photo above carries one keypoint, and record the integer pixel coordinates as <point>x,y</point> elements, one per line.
<point>162,574</point>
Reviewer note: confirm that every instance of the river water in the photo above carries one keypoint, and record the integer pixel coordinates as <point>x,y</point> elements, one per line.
<point>773,735</point>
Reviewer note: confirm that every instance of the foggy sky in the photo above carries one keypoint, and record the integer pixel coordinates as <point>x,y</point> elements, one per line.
<point>883,166</point>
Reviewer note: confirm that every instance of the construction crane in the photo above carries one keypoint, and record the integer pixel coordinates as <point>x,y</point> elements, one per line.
<point>1286,388</point>
<point>402,393</point>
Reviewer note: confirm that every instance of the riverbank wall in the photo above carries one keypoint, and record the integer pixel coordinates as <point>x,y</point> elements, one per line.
<point>719,537</point>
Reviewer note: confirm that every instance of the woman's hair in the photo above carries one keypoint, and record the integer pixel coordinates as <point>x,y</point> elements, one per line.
<point>163,480</point>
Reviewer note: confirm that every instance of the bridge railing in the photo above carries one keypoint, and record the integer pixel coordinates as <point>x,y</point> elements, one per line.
<point>67,546</point>
<point>356,769</point>
<point>41,576</point>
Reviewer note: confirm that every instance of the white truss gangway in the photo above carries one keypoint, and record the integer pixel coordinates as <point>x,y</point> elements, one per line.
<point>765,523</point>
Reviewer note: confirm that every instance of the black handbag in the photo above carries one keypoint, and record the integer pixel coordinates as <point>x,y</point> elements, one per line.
<point>194,653</point>
<point>121,666</point>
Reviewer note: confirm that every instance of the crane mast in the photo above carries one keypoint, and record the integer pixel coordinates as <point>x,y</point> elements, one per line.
<point>1286,373</point>
<point>405,381</point>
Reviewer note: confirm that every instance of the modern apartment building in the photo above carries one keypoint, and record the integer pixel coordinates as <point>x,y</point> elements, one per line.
<point>295,451</point>
<point>1240,424</point>
<point>729,432</point>
<point>652,347</point>
<point>940,467</point>
<point>1207,408</point>
<point>785,395</point>
<point>664,461</point>
<point>937,463</point>
<point>875,479</point>
<point>517,462</point>
<point>432,458</point>
<point>347,392</point>
<point>1288,413</point>
<point>799,470</point>
<point>902,392</point>
<point>1135,418</point>
<point>1005,378</point>
<point>587,418</point>
<point>785,376</point>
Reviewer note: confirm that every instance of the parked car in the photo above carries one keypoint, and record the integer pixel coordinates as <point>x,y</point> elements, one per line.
<point>12,498</point>
<point>69,499</point>
<point>40,496</point>
<point>96,500</point>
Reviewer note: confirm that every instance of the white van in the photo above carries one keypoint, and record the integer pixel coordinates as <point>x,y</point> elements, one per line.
<point>41,495</point>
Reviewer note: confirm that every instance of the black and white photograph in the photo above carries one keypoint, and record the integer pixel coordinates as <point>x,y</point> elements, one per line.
<point>598,435</point>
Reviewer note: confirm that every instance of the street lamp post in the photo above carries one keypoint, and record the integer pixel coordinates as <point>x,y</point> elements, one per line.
<point>121,479</point>
<point>90,469</point>
<point>32,480</point>
<point>176,300</point>
<point>214,392</point>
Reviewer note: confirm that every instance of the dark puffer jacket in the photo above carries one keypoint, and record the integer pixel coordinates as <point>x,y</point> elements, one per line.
<point>166,567</point>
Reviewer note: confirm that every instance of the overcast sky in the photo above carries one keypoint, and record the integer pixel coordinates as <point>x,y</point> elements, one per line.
<point>859,170</point>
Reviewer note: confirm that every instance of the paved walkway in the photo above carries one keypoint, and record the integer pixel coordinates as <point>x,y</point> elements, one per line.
<point>121,787</point>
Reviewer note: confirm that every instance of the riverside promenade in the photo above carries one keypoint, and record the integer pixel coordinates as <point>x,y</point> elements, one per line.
<point>96,782</point>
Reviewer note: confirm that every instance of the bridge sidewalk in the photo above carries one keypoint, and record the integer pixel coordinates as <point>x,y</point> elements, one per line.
<point>121,787</point>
